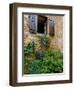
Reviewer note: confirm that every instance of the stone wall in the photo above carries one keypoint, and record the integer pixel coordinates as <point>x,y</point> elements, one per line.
<point>26,23</point>
<point>56,40</point>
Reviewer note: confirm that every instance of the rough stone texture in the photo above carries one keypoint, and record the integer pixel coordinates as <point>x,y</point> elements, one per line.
<point>56,40</point>
<point>26,23</point>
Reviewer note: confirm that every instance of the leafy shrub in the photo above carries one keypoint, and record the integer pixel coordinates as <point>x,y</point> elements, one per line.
<point>47,66</point>
<point>50,62</point>
<point>39,55</point>
<point>30,48</point>
<point>56,54</point>
<point>35,67</point>
<point>45,41</point>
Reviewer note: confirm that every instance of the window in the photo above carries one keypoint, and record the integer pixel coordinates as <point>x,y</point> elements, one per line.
<point>40,23</point>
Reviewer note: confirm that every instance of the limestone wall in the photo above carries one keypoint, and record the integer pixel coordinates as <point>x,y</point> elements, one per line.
<point>26,23</point>
<point>57,39</point>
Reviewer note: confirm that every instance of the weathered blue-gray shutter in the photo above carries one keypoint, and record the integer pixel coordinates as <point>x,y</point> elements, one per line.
<point>33,23</point>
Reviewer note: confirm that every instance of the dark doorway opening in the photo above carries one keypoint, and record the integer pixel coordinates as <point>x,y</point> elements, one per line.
<point>42,24</point>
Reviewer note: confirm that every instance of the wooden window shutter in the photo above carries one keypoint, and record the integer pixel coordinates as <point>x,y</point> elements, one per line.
<point>33,23</point>
<point>51,28</point>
